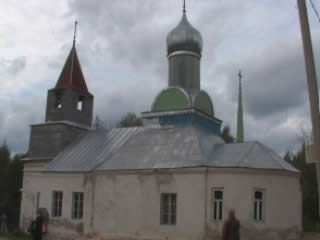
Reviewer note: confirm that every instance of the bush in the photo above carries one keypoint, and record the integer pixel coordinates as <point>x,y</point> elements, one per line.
<point>311,227</point>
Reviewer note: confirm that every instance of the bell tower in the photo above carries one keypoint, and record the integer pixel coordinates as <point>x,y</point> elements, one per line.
<point>68,113</point>
<point>70,99</point>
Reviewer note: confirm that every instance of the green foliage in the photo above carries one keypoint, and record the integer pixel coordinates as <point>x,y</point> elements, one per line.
<point>311,227</point>
<point>130,120</point>
<point>10,185</point>
<point>16,236</point>
<point>226,135</point>
<point>309,188</point>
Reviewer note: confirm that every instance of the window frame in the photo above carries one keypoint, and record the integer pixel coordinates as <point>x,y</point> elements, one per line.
<point>75,215</point>
<point>80,103</point>
<point>56,208</point>
<point>219,216</point>
<point>172,209</point>
<point>262,208</point>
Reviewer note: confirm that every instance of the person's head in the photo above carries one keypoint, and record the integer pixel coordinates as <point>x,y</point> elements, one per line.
<point>232,214</point>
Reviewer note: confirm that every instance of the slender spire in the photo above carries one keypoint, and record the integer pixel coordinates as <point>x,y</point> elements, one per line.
<point>240,128</point>
<point>71,75</point>
<point>184,6</point>
<point>75,32</point>
<point>73,50</point>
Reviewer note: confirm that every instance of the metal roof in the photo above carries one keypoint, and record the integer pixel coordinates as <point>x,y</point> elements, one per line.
<point>184,37</point>
<point>71,75</point>
<point>155,148</point>
<point>86,153</point>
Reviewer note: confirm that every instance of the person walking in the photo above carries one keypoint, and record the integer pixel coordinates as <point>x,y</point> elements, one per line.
<point>231,227</point>
<point>37,229</point>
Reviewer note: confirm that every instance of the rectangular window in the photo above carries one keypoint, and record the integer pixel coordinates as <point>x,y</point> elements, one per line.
<point>217,204</point>
<point>80,103</point>
<point>57,203</point>
<point>258,211</point>
<point>77,205</point>
<point>168,210</point>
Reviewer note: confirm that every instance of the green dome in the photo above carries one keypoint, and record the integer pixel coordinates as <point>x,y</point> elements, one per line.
<point>172,98</point>
<point>203,103</point>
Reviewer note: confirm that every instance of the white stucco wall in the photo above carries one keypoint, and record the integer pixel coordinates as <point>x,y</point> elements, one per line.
<point>45,184</point>
<point>127,204</point>
<point>283,202</point>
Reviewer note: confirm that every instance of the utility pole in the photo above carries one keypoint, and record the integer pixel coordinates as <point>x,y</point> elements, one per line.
<point>313,151</point>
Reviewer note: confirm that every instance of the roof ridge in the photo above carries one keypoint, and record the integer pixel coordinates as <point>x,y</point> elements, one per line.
<point>271,152</point>
<point>248,152</point>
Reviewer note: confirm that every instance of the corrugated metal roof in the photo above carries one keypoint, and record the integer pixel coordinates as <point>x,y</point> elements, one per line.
<point>87,153</point>
<point>248,155</point>
<point>164,148</point>
<point>153,148</point>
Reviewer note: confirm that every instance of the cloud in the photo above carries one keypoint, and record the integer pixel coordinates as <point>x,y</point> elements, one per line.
<point>12,66</point>
<point>16,120</point>
<point>273,79</point>
<point>122,49</point>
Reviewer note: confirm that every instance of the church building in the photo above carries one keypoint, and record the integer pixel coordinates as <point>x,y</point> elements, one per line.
<point>174,178</point>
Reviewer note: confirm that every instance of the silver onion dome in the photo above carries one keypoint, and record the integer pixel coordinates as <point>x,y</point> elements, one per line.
<point>184,37</point>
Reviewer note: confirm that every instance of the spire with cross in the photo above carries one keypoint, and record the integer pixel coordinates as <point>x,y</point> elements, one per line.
<point>240,127</point>
<point>75,32</point>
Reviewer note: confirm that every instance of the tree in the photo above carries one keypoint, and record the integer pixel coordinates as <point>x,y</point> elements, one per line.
<point>4,163</point>
<point>308,184</point>
<point>15,177</point>
<point>11,172</point>
<point>130,120</point>
<point>226,135</point>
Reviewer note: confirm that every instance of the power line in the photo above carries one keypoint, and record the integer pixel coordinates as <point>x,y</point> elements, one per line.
<point>315,10</point>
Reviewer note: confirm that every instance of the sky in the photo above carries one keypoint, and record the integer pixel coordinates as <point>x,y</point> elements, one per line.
<point>122,50</point>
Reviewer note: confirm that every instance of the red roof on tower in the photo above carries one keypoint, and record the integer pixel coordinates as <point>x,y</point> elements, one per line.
<point>71,75</point>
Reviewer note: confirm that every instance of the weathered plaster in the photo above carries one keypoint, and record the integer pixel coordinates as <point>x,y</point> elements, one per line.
<point>126,205</point>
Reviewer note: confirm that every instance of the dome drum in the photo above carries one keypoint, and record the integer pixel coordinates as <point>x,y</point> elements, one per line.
<point>184,52</point>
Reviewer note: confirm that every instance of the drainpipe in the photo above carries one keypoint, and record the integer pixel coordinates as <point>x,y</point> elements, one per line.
<point>206,203</point>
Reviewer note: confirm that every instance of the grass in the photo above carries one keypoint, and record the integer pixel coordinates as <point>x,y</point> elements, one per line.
<point>16,236</point>
<point>312,227</point>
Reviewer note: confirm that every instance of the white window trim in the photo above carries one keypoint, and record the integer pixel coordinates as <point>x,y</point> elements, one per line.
<point>52,203</point>
<point>72,206</point>
<point>213,189</point>
<point>263,190</point>
<point>161,209</point>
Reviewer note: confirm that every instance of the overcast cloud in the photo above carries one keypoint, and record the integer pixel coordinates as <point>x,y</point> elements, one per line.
<point>122,49</point>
